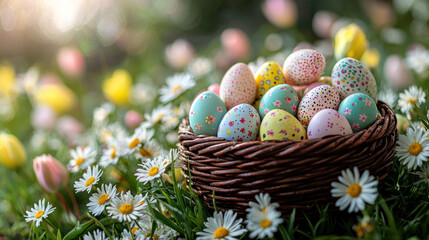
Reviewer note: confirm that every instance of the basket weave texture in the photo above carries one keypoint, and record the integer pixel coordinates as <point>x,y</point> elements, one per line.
<point>296,174</point>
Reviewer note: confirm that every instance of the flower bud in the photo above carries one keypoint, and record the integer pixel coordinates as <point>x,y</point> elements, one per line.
<point>282,13</point>
<point>397,73</point>
<point>50,172</point>
<point>117,89</point>
<point>236,44</point>
<point>371,57</point>
<point>402,124</point>
<point>57,96</point>
<point>350,41</point>
<point>133,119</point>
<point>179,54</point>
<point>43,117</point>
<point>12,153</point>
<point>71,62</point>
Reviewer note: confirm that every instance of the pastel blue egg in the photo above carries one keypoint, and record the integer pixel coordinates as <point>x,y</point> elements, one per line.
<point>360,111</point>
<point>282,97</point>
<point>241,123</point>
<point>206,113</point>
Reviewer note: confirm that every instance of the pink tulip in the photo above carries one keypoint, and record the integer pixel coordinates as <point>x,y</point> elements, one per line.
<point>214,88</point>
<point>71,61</point>
<point>282,13</point>
<point>133,119</point>
<point>50,172</point>
<point>397,74</point>
<point>236,44</point>
<point>43,118</point>
<point>179,54</point>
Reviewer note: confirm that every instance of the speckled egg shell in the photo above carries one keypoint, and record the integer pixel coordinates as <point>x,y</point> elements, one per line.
<point>270,74</point>
<point>207,111</point>
<point>279,97</point>
<point>303,67</point>
<point>311,86</point>
<point>238,86</point>
<point>351,76</point>
<point>319,98</point>
<point>360,110</point>
<point>240,124</point>
<point>328,122</point>
<point>281,125</point>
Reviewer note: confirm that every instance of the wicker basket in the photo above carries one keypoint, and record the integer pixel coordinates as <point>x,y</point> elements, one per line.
<point>297,174</point>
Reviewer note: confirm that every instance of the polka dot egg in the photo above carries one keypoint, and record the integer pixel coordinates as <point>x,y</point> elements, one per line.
<point>238,86</point>
<point>279,97</point>
<point>319,98</point>
<point>326,123</point>
<point>351,76</point>
<point>360,110</point>
<point>270,74</point>
<point>281,125</point>
<point>303,67</point>
<point>240,124</point>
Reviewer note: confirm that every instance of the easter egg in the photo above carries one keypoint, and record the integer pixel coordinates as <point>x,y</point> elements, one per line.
<point>360,110</point>
<point>238,86</point>
<point>281,125</point>
<point>319,98</point>
<point>325,79</point>
<point>300,90</point>
<point>311,86</point>
<point>270,74</point>
<point>240,123</point>
<point>303,67</point>
<point>279,97</point>
<point>214,88</point>
<point>206,113</point>
<point>328,122</point>
<point>403,123</point>
<point>351,76</point>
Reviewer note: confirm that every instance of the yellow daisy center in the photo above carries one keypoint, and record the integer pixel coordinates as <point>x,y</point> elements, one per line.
<point>79,161</point>
<point>145,153</point>
<point>141,203</point>
<point>153,171</point>
<point>39,214</point>
<point>133,231</point>
<point>221,232</point>
<point>113,154</point>
<point>177,88</point>
<point>412,100</point>
<point>265,223</point>
<point>159,117</point>
<point>103,199</point>
<point>354,190</point>
<point>415,148</point>
<point>166,213</point>
<point>134,143</point>
<point>126,208</point>
<point>155,237</point>
<point>89,181</point>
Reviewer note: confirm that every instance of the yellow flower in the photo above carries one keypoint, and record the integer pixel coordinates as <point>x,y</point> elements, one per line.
<point>7,80</point>
<point>117,88</point>
<point>57,96</point>
<point>12,153</point>
<point>371,57</point>
<point>177,173</point>
<point>350,41</point>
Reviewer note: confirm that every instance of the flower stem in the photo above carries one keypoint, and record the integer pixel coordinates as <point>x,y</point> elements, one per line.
<point>73,199</point>
<point>63,201</point>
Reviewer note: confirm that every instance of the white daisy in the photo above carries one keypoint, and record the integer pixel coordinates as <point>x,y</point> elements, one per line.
<point>200,66</point>
<point>161,232</point>
<point>99,200</point>
<point>89,179</point>
<point>151,169</point>
<point>140,136</point>
<point>220,227</point>
<point>412,97</point>
<point>388,96</point>
<point>413,148</point>
<point>125,235</point>
<point>264,203</point>
<point>116,148</point>
<point>149,149</point>
<point>126,207</point>
<point>111,132</point>
<point>95,235</point>
<point>424,175</point>
<point>418,60</point>
<point>100,114</point>
<point>354,190</point>
<point>265,224</point>
<point>39,212</point>
<point>81,158</point>
<point>176,85</point>
<point>158,115</point>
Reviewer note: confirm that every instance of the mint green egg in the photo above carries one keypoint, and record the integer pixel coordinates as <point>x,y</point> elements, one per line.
<point>360,110</point>
<point>206,113</point>
<point>282,97</point>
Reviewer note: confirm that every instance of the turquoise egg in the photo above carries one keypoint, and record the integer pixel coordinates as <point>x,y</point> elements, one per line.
<point>207,110</point>
<point>360,110</point>
<point>282,97</point>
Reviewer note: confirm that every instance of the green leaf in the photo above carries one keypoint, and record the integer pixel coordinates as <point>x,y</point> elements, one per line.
<point>59,235</point>
<point>41,237</point>
<point>160,217</point>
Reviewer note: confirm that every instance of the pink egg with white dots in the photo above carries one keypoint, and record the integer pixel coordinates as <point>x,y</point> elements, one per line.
<point>303,67</point>
<point>326,123</point>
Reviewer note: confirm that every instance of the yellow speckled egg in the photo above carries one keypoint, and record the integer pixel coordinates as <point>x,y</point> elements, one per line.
<point>270,74</point>
<point>281,125</point>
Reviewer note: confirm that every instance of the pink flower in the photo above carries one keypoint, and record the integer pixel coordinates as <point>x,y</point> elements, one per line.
<point>355,126</point>
<point>283,132</point>
<point>347,111</point>
<point>262,105</point>
<point>242,120</point>
<point>277,103</point>
<point>362,117</point>
<point>133,119</point>
<point>231,123</point>
<point>273,114</point>
<point>367,102</point>
<point>179,54</point>
<point>249,133</point>
<point>270,132</point>
<point>266,111</point>
<point>287,99</point>
<point>198,126</point>
<point>219,109</point>
<point>50,173</point>
<point>192,113</point>
<point>71,61</point>
<point>212,118</point>
<point>294,108</point>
